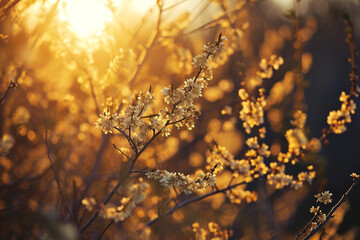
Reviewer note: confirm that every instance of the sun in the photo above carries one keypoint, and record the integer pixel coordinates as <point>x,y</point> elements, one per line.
<point>86,17</point>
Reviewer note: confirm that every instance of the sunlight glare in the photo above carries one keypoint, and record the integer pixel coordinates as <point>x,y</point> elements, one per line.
<point>285,4</point>
<point>142,6</point>
<point>86,17</point>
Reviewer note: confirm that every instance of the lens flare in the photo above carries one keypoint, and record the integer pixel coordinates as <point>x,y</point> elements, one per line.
<point>86,17</point>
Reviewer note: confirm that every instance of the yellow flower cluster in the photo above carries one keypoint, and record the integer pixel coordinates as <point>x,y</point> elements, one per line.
<point>354,175</point>
<point>298,143</point>
<point>6,143</point>
<point>214,232</point>
<point>337,119</point>
<point>266,71</point>
<point>296,137</point>
<point>278,178</point>
<point>185,183</point>
<point>324,197</point>
<point>107,122</point>
<point>89,203</point>
<point>252,112</point>
<point>119,70</point>
<point>244,170</point>
<point>136,194</point>
<point>183,111</point>
<point>320,217</point>
<point>239,194</point>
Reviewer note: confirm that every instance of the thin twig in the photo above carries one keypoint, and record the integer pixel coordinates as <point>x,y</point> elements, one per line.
<point>106,228</point>
<point>337,205</point>
<point>6,10</point>
<point>141,61</point>
<point>86,71</point>
<point>138,28</point>
<point>122,152</point>
<point>92,175</point>
<point>137,153</point>
<point>174,5</point>
<point>144,170</point>
<point>11,85</point>
<point>307,226</point>
<point>120,182</point>
<point>298,45</point>
<point>150,43</point>
<point>211,24</point>
<point>26,179</point>
<point>191,200</point>
<point>353,74</point>
<point>353,52</point>
<point>56,174</point>
<point>129,139</point>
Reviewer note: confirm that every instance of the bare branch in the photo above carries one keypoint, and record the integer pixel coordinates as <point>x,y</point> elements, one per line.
<point>122,152</point>
<point>191,200</point>
<point>337,205</point>
<point>11,85</point>
<point>56,174</point>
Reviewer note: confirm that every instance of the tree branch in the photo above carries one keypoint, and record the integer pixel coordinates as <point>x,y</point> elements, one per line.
<point>56,175</point>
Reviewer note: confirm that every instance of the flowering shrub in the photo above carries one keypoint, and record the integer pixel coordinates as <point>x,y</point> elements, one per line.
<point>161,120</point>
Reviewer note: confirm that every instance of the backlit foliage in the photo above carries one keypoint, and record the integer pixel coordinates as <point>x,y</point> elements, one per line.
<point>165,119</point>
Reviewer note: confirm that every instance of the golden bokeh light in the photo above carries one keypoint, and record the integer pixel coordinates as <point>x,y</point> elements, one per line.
<point>175,119</point>
<point>86,17</point>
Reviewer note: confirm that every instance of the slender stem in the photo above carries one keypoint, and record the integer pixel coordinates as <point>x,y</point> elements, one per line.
<point>211,24</point>
<point>56,175</point>
<point>92,175</point>
<point>7,92</point>
<point>129,139</point>
<point>106,228</point>
<point>26,179</point>
<point>120,182</point>
<point>353,52</point>
<point>354,78</point>
<point>141,61</point>
<point>307,225</point>
<point>337,205</point>
<point>121,152</point>
<point>191,200</point>
<point>174,5</point>
<point>134,146</point>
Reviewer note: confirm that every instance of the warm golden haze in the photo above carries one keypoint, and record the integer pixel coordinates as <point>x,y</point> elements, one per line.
<point>86,17</point>
<point>179,119</point>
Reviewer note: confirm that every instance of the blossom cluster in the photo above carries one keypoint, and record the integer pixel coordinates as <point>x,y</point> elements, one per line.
<point>185,183</point>
<point>296,137</point>
<point>115,80</point>
<point>324,197</point>
<point>183,111</point>
<point>89,203</point>
<point>214,232</point>
<point>297,144</point>
<point>337,119</point>
<point>243,171</point>
<point>239,194</point>
<point>135,125</point>
<point>223,160</point>
<point>355,176</point>
<point>252,117</point>
<point>107,122</point>
<point>266,71</point>
<point>320,217</point>
<point>6,143</point>
<point>135,195</point>
<point>252,112</point>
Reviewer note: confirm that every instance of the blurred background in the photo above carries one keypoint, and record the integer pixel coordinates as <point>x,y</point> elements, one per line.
<point>73,60</point>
